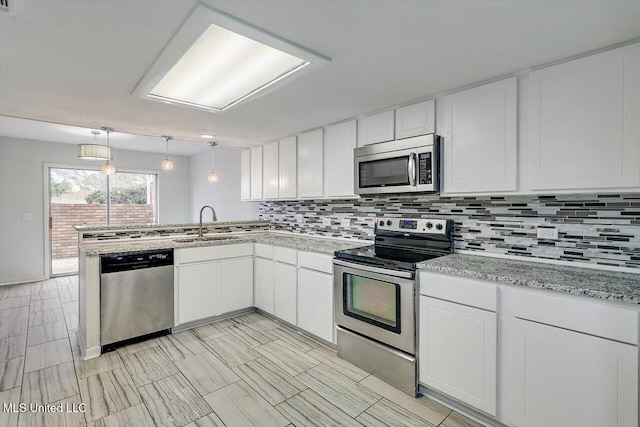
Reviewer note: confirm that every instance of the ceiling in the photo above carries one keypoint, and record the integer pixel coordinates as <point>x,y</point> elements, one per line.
<point>76,63</point>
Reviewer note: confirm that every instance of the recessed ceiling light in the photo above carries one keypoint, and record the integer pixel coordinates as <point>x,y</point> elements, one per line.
<point>216,61</point>
<point>207,136</point>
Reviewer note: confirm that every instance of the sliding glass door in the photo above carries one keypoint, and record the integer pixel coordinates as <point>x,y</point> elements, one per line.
<point>86,197</point>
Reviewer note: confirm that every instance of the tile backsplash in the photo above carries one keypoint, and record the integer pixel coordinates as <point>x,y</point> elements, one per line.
<point>598,229</point>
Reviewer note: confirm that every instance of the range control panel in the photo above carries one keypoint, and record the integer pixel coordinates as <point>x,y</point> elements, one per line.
<point>413,225</point>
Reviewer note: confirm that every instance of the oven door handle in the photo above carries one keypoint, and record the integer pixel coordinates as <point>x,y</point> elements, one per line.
<point>411,169</point>
<point>371,269</point>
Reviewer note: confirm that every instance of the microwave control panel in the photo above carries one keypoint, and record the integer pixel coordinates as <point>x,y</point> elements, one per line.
<point>425,169</point>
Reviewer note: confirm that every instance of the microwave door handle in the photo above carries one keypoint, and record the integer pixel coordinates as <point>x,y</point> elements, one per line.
<point>411,169</point>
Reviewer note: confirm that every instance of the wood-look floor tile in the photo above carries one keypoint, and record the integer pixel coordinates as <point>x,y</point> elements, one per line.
<point>181,345</point>
<point>107,393</point>
<point>50,384</point>
<point>135,416</point>
<point>9,418</point>
<point>46,316</point>
<point>14,302</point>
<point>149,365</point>
<point>286,357</point>
<point>45,304</point>
<point>68,293</point>
<point>385,390</point>
<point>12,347</point>
<point>48,354</point>
<point>427,409</point>
<point>456,419</point>
<point>251,335</point>
<point>106,362</point>
<point>73,339</point>
<point>172,401</point>
<point>14,321</point>
<point>72,418</point>
<point>142,345</point>
<point>274,384</point>
<point>208,332</point>
<point>239,405</point>
<point>249,317</point>
<point>308,409</point>
<point>231,350</point>
<point>15,291</point>
<point>267,324</point>
<point>385,413</point>
<point>43,285</point>
<point>46,332</point>
<point>330,358</point>
<point>11,373</point>
<point>44,294</point>
<point>343,392</point>
<point>206,372</point>
<point>67,281</point>
<point>295,339</point>
<point>211,420</point>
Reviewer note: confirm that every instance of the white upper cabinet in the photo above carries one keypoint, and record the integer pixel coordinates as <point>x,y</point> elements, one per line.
<point>270,172</point>
<point>585,123</point>
<point>288,171</point>
<point>375,128</point>
<point>480,131</point>
<point>416,119</point>
<point>245,175</point>
<point>310,164</point>
<point>339,142</point>
<point>256,173</point>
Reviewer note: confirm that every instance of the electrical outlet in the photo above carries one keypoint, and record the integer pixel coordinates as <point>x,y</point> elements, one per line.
<point>326,222</point>
<point>345,223</point>
<point>299,218</point>
<point>27,217</point>
<point>547,233</point>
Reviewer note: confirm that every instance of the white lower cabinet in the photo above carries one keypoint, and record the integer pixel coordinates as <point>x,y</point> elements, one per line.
<point>564,378</point>
<point>285,291</point>
<point>198,291</point>
<point>236,284</point>
<point>458,346</point>
<point>263,285</point>
<point>315,303</point>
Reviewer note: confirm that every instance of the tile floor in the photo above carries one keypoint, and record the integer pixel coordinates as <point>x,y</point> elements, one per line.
<point>245,371</point>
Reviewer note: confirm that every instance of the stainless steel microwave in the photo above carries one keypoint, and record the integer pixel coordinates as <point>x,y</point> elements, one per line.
<point>403,166</point>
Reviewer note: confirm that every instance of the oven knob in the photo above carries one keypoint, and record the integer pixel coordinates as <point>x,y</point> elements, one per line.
<point>389,222</point>
<point>381,223</point>
<point>429,225</point>
<point>439,226</point>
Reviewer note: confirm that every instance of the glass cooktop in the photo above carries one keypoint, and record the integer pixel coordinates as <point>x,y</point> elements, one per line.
<point>386,256</point>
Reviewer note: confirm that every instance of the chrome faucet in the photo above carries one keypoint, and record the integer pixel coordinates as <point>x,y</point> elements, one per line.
<point>214,218</point>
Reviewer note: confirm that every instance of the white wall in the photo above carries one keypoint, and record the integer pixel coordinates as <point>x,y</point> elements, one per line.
<point>224,195</point>
<point>22,183</point>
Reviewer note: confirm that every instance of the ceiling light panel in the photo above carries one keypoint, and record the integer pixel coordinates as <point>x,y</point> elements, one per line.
<point>216,61</point>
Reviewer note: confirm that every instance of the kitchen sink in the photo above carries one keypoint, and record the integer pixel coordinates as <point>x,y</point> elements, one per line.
<point>204,239</point>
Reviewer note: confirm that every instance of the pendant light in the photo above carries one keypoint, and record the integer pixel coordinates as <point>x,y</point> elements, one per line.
<point>108,168</point>
<point>213,176</point>
<point>167,164</point>
<point>94,151</point>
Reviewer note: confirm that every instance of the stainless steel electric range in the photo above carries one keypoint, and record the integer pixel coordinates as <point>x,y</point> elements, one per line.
<point>376,296</point>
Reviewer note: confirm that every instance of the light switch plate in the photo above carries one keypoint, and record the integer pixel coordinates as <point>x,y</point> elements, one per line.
<point>345,223</point>
<point>299,218</point>
<point>27,216</point>
<point>548,233</point>
<point>326,221</point>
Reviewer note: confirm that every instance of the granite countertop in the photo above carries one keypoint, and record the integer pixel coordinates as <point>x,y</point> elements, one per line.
<point>289,240</point>
<point>183,225</point>
<point>603,284</point>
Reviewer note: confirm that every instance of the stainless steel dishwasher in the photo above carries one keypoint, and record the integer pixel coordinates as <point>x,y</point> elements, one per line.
<point>136,297</point>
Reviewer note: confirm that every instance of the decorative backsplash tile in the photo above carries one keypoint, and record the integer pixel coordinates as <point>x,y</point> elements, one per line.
<point>599,229</point>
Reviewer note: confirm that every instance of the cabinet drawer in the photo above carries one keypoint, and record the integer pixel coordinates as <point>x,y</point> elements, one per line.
<point>594,318</point>
<point>474,293</point>
<point>286,255</point>
<point>212,253</point>
<point>264,251</point>
<point>315,261</point>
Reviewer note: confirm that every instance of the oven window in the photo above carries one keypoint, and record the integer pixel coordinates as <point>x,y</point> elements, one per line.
<point>384,172</point>
<point>372,301</point>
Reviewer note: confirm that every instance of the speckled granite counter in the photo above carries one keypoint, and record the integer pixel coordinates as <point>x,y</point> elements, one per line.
<point>295,241</point>
<point>603,284</point>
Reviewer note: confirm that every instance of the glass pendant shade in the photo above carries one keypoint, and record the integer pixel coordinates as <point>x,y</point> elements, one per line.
<point>108,169</point>
<point>167,164</point>
<point>94,152</point>
<point>213,177</point>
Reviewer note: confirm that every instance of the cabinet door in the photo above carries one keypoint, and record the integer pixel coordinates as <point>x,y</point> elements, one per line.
<point>245,175</point>
<point>339,142</point>
<point>585,131</point>
<point>565,378</point>
<point>315,303</point>
<point>198,291</point>
<point>288,158</point>
<point>376,128</point>
<point>310,164</point>
<point>270,172</point>
<point>256,173</point>
<point>285,291</point>
<point>458,346</point>
<point>416,119</point>
<point>481,138</point>
<point>263,284</point>
<point>236,284</point>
